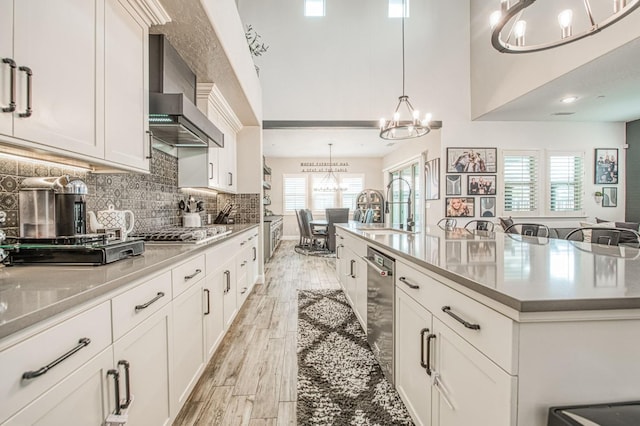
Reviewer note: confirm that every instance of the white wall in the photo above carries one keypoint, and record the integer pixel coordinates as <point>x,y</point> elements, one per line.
<point>345,67</point>
<point>370,167</point>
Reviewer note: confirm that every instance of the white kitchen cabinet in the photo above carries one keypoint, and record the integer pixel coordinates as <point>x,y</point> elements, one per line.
<point>27,370</point>
<point>228,166</point>
<point>188,343</point>
<point>352,273</point>
<point>242,270</point>
<point>199,168</point>
<point>6,54</point>
<point>443,379</point>
<point>148,350</point>
<point>229,290</point>
<point>468,382</point>
<point>213,315</point>
<point>81,79</point>
<point>61,43</point>
<point>412,324</point>
<point>85,397</point>
<point>126,75</point>
<point>254,270</point>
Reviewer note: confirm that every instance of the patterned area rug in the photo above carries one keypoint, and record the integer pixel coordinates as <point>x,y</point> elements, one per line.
<point>339,380</point>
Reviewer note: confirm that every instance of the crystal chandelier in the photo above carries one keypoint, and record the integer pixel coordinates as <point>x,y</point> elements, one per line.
<point>515,37</point>
<point>406,123</point>
<point>329,182</point>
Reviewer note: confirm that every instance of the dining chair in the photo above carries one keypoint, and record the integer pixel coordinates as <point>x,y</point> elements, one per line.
<point>528,229</point>
<point>447,223</point>
<point>338,215</point>
<point>605,236</point>
<point>479,225</point>
<point>305,237</point>
<point>315,236</point>
<point>368,216</point>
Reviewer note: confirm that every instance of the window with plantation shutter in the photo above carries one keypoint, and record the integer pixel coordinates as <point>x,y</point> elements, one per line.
<point>354,185</point>
<point>295,192</point>
<point>565,183</point>
<point>520,176</point>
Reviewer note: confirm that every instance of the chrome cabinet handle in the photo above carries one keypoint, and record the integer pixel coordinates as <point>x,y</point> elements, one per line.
<point>255,253</point>
<point>27,113</point>
<point>338,251</point>
<point>188,277</point>
<point>149,156</point>
<point>211,170</point>
<point>12,85</point>
<point>83,342</point>
<point>467,324</point>
<point>127,383</point>
<point>404,280</point>
<point>244,290</point>
<point>206,290</point>
<point>150,302</point>
<point>230,178</point>
<point>353,275</point>
<point>422,333</point>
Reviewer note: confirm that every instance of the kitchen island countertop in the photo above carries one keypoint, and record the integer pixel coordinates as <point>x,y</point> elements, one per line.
<point>32,293</point>
<point>527,274</point>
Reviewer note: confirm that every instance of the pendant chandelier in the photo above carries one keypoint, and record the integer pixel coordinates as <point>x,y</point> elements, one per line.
<point>329,182</point>
<point>512,11</point>
<point>405,123</point>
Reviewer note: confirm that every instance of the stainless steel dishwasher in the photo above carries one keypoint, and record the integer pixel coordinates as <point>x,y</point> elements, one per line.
<point>380,308</point>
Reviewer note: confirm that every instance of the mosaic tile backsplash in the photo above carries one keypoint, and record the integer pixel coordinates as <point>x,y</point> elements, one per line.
<point>153,198</point>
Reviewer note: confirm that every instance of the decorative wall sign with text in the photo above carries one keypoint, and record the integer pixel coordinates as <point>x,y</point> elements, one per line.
<point>324,166</point>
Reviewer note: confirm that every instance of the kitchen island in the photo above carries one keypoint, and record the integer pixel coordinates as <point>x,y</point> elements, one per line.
<point>494,328</point>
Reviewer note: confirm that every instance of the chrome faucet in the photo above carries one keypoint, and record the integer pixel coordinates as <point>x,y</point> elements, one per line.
<point>410,221</point>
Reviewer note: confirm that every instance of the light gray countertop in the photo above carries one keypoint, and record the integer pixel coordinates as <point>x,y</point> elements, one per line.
<point>31,293</point>
<point>528,274</point>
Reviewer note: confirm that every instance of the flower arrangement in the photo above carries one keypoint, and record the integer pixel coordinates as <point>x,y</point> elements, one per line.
<point>256,47</point>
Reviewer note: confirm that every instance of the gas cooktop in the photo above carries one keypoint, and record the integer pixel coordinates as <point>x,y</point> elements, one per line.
<point>177,235</point>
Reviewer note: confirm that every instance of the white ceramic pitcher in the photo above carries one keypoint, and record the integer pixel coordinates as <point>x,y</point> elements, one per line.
<point>112,218</point>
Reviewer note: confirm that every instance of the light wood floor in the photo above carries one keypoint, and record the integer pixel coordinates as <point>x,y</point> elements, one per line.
<point>252,378</point>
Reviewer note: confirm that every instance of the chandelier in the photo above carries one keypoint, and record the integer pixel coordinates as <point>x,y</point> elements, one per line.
<point>515,38</point>
<point>406,123</point>
<point>329,182</point>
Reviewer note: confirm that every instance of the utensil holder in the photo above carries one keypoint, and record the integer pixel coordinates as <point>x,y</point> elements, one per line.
<point>192,220</point>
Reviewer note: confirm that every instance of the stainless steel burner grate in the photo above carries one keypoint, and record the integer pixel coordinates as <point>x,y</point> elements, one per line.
<point>185,235</point>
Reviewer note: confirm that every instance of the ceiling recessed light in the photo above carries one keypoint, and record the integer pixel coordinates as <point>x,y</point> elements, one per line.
<point>569,99</point>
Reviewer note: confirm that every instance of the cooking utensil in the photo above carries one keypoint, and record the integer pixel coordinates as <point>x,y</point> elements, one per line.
<point>200,206</point>
<point>182,205</point>
<point>191,204</point>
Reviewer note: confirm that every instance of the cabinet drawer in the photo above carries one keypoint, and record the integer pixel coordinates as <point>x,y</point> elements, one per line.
<point>497,334</point>
<point>131,308</point>
<point>40,351</point>
<point>190,272</point>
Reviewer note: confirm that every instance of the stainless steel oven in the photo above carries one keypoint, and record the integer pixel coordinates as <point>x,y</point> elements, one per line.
<point>272,235</point>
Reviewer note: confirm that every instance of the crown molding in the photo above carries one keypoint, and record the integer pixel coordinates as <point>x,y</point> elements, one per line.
<point>215,99</point>
<point>151,11</point>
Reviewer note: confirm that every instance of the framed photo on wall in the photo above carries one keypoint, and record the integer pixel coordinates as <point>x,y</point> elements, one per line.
<point>432,176</point>
<point>487,206</point>
<point>460,207</point>
<point>472,160</point>
<point>481,185</point>
<point>606,165</point>
<point>454,184</point>
<point>609,196</point>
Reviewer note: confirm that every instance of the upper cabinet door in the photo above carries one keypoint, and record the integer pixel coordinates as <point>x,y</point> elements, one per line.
<point>126,82</point>
<point>59,43</point>
<point>6,52</point>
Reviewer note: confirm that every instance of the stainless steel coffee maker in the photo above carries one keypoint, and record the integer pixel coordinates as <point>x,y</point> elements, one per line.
<point>53,207</point>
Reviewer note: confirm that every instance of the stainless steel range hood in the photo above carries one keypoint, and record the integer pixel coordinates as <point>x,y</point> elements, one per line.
<point>173,116</point>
